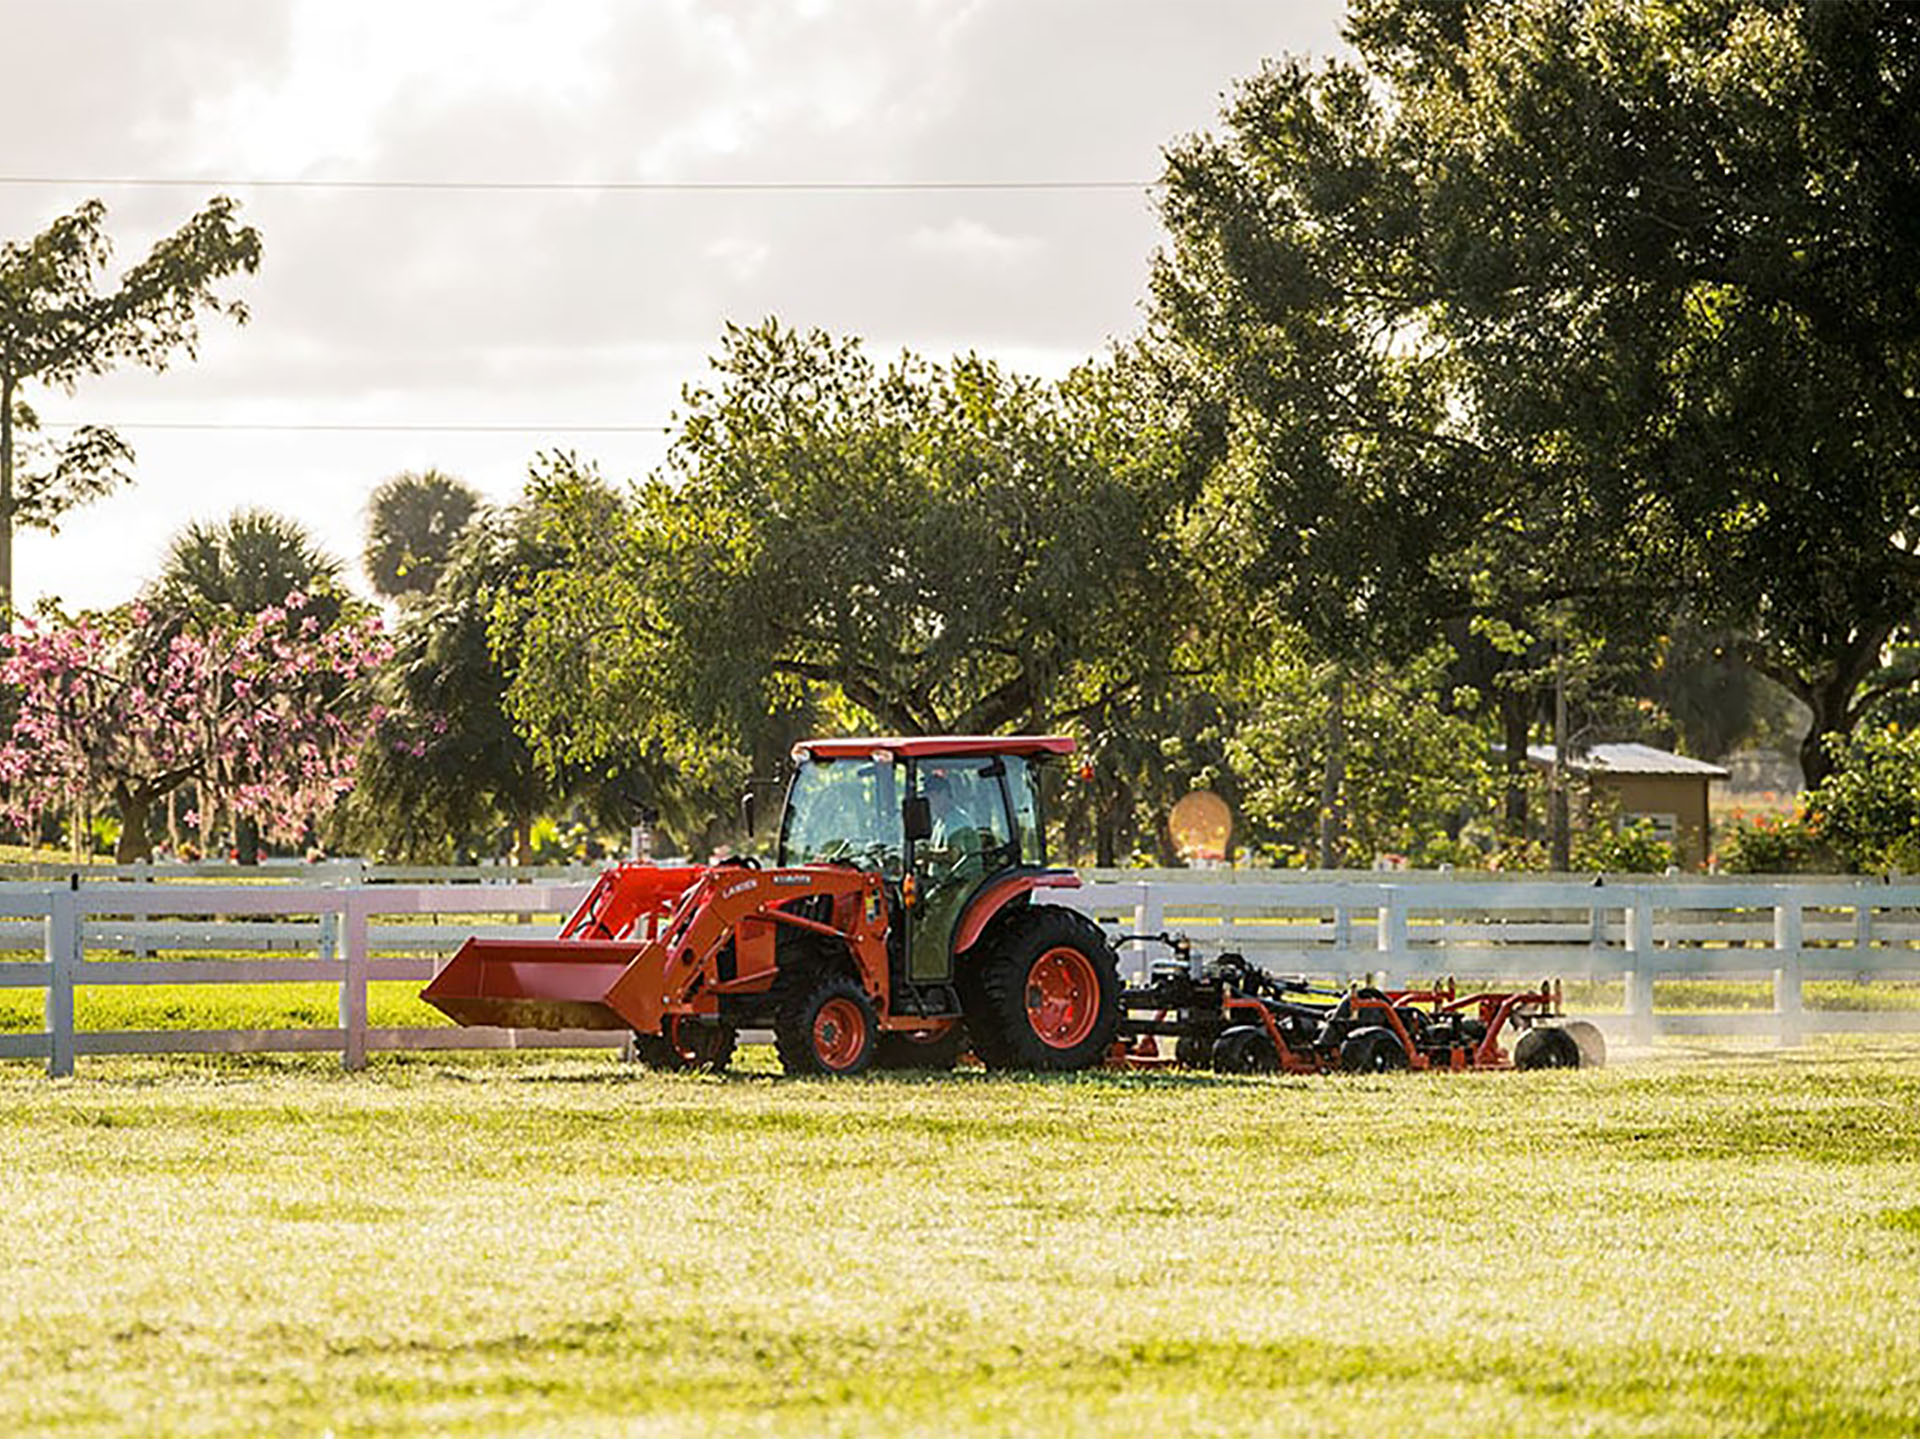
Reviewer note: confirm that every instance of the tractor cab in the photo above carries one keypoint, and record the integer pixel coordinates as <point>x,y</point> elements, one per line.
<point>940,818</point>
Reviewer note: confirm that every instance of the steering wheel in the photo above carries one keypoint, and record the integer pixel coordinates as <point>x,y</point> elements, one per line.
<point>744,862</point>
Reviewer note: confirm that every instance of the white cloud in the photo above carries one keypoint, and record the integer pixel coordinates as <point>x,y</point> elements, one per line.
<point>558,309</point>
<point>973,243</point>
<point>743,258</point>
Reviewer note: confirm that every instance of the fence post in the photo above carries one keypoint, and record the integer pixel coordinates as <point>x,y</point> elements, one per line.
<point>353,982</point>
<point>1596,939</point>
<point>63,960</point>
<point>1789,1003</point>
<point>1640,977</point>
<point>1391,939</point>
<point>1149,918</point>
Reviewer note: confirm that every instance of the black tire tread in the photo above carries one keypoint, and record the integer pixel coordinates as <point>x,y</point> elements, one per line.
<point>1546,1047</point>
<point>995,994</point>
<point>1373,1050</point>
<point>656,1052</point>
<point>793,1026</point>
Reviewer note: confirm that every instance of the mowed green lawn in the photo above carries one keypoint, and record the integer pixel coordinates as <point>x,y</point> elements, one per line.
<point>1703,1241</point>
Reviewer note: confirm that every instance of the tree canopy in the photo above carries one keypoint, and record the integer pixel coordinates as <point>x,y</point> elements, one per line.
<point>414,521</point>
<point>940,547</point>
<point>57,326</point>
<point>1612,303</point>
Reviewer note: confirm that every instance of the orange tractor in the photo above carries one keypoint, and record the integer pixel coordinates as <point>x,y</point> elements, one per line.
<point>903,921</point>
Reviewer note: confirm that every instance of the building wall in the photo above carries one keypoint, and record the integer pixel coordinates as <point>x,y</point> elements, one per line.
<point>1684,797</point>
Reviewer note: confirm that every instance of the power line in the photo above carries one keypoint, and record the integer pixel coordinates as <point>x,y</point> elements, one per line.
<point>355,427</point>
<point>632,187</point>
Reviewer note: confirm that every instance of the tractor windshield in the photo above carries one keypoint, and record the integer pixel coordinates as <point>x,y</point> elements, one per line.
<point>845,810</point>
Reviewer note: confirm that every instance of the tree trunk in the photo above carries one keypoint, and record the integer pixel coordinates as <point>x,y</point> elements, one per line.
<point>523,838</point>
<point>1333,778</point>
<point>1515,710</point>
<point>1832,705</point>
<point>1164,850</point>
<point>136,809</point>
<point>1560,829</point>
<point>1837,695</point>
<point>246,839</point>
<point>1106,827</point>
<point>6,500</point>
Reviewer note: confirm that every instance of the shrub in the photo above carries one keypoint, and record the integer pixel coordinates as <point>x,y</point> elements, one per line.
<point>1771,845</point>
<point>1869,807</point>
<point>1631,848</point>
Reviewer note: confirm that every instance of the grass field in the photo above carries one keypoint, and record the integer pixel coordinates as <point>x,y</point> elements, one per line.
<point>398,1004</point>
<point>1704,1241</point>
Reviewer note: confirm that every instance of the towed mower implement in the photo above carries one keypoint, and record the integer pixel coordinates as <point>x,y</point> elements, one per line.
<point>1239,1019</point>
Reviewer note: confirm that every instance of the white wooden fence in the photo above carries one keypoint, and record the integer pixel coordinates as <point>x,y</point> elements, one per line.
<point>144,931</point>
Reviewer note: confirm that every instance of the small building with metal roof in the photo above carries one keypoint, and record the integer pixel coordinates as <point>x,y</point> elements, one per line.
<point>1645,783</point>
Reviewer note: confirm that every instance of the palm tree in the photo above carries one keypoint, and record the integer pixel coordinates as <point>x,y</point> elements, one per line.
<point>240,566</point>
<point>222,573</point>
<point>413,522</point>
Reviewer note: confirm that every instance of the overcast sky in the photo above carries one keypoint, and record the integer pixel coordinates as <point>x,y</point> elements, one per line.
<point>579,307</point>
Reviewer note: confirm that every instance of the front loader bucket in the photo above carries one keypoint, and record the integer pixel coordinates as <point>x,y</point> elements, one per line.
<point>534,984</point>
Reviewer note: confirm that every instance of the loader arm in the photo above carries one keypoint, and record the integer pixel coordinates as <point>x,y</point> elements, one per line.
<point>690,966</point>
<point>650,942</point>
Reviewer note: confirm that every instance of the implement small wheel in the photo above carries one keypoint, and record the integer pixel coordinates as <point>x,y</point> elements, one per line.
<point>828,1030</point>
<point>920,1049</point>
<point>686,1045</point>
<point>1593,1045</point>
<point>1043,993</point>
<point>1373,1050</point>
<point>1195,1051</point>
<point>1548,1048</point>
<point>1245,1050</point>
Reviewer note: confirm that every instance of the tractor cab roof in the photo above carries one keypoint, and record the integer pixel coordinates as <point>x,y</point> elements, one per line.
<point>921,745</point>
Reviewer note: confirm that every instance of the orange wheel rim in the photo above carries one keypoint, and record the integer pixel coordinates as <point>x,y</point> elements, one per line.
<point>1063,997</point>
<point>671,1030</point>
<point>839,1033</point>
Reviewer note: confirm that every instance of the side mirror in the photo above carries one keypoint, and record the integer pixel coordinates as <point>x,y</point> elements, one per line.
<point>918,815</point>
<point>746,811</point>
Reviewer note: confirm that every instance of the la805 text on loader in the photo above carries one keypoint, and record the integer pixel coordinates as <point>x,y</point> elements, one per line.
<point>904,920</point>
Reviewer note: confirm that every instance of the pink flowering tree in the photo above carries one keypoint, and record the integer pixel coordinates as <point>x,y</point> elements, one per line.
<point>128,708</point>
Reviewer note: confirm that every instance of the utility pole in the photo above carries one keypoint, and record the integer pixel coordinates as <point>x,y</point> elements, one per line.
<point>1559,838</point>
<point>1333,777</point>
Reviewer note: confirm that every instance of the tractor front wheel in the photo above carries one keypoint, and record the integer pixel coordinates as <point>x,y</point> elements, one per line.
<point>827,1030</point>
<point>686,1045</point>
<point>1044,993</point>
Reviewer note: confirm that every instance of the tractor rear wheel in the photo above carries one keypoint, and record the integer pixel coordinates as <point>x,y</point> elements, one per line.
<point>1548,1048</point>
<point>1044,993</point>
<point>1245,1050</point>
<point>686,1045</point>
<point>1373,1050</point>
<point>828,1029</point>
<point>920,1050</point>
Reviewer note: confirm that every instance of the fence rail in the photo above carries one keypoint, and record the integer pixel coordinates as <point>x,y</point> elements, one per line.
<point>351,931</point>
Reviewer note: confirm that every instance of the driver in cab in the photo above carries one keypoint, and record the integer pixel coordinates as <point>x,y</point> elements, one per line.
<point>956,841</point>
